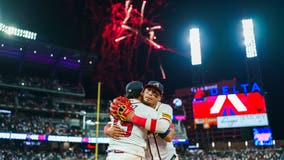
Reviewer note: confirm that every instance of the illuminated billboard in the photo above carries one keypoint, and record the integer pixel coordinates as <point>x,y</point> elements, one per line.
<point>262,136</point>
<point>230,110</point>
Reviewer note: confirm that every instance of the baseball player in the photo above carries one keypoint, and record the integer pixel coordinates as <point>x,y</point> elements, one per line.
<point>159,148</point>
<point>132,146</point>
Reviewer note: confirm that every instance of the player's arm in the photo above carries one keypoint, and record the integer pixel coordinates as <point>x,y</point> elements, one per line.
<point>113,131</point>
<point>125,112</point>
<point>159,125</point>
<point>169,135</point>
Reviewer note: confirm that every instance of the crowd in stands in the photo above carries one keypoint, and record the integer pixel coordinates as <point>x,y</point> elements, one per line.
<point>78,153</point>
<point>45,155</point>
<point>42,83</point>
<point>20,151</point>
<point>46,102</point>
<point>231,154</point>
<point>23,102</point>
<point>43,112</point>
<point>37,125</point>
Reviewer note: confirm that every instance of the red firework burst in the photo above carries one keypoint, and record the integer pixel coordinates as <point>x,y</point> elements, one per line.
<point>127,28</point>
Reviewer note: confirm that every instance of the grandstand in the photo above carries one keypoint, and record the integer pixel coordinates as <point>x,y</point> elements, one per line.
<point>46,112</point>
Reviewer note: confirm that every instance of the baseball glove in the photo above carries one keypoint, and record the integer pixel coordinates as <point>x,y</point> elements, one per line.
<point>121,107</point>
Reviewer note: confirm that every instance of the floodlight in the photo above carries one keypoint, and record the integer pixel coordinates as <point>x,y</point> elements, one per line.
<point>195,46</point>
<point>229,144</point>
<point>213,144</point>
<point>177,102</point>
<point>10,30</point>
<point>249,40</point>
<point>197,145</point>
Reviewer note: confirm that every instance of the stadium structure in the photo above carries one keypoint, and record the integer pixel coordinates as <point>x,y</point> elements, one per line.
<point>45,109</point>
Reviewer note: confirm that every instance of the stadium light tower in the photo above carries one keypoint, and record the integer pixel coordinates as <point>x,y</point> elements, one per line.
<point>10,30</point>
<point>253,66</point>
<point>249,39</point>
<point>194,40</point>
<point>197,68</point>
<point>196,59</point>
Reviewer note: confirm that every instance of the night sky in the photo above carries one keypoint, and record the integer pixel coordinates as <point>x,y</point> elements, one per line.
<point>221,38</point>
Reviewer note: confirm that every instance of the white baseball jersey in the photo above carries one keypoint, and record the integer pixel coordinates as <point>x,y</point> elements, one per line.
<point>134,141</point>
<point>159,149</point>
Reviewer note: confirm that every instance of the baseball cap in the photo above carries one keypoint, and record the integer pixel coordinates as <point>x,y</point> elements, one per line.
<point>133,85</point>
<point>155,84</point>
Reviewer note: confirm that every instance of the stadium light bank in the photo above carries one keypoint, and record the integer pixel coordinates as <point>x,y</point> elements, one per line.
<point>10,30</point>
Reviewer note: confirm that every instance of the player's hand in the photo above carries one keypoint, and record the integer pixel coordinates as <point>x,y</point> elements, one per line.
<point>124,108</point>
<point>113,110</point>
<point>115,132</point>
<point>172,135</point>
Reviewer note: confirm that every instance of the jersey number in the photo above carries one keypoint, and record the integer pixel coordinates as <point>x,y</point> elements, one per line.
<point>129,126</point>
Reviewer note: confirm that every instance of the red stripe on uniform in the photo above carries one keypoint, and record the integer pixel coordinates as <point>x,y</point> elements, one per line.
<point>153,125</point>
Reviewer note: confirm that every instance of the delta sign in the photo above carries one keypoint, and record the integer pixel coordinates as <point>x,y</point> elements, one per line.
<point>231,107</point>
